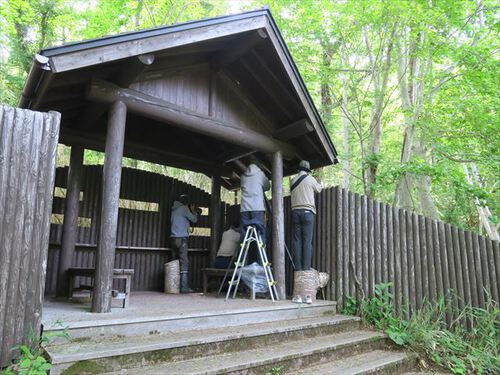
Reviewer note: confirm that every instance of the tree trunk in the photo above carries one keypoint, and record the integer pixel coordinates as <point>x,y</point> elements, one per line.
<point>346,131</point>
<point>380,80</point>
<point>483,211</point>
<point>411,89</point>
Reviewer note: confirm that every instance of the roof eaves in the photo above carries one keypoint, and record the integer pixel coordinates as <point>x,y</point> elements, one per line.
<point>140,34</point>
<point>301,83</point>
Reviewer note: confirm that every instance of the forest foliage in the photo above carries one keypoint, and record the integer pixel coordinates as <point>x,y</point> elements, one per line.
<point>407,89</point>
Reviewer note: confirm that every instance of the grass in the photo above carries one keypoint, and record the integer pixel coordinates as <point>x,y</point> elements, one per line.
<point>451,346</point>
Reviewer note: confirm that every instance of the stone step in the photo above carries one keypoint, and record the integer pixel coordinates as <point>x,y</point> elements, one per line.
<point>290,355</point>
<point>132,351</point>
<point>101,327</point>
<point>373,362</point>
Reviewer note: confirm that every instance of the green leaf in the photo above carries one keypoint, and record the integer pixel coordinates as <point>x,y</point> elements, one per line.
<point>25,363</point>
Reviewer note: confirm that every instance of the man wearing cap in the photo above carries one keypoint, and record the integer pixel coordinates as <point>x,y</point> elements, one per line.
<point>181,218</point>
<point>303,215</point>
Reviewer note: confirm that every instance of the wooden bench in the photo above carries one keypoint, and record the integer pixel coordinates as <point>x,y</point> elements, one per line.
<point>118,273</point>
<point>214,273</point>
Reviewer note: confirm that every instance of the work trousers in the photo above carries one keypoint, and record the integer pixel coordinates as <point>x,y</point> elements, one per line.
<point>303,224</point>
<point>180,251</point>
<point>253,218</point>
<point>256,218</point>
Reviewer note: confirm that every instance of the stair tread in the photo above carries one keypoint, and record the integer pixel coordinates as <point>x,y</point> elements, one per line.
<point>364,363</point>
<point>226,362</point>
<point>57,323</point>
<point>90,349</point>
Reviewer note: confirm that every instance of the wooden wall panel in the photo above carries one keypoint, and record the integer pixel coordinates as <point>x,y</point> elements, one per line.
<point>28,144</point>
<point>143,234</point>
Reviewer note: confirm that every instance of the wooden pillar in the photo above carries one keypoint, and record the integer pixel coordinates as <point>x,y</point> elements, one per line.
<point>70,226</point>
<point>278,244</point>
<point>215,218</point>
<point>106,242</point>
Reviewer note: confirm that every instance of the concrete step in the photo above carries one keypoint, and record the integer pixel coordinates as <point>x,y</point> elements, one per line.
<point>98,327</point>
<point>291,355</point>
<point>373,362</point>
<point>133,351</point>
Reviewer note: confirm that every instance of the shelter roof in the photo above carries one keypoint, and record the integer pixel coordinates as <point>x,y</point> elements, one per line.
<point>232,73</point>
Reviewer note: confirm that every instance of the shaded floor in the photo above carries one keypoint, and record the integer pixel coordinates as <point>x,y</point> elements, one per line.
<point>146,305</point>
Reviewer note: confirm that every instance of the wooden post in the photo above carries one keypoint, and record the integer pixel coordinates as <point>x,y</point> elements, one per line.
<point>70,226</point>
<point>106,243</point>
<point>215,218</point>
<point>278,243</point>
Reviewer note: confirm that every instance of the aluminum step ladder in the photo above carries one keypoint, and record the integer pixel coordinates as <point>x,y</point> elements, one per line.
<point>252,235</point>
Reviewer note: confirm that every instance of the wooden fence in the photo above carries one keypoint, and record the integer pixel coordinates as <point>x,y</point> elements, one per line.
<point>358,241</point>
<point>361,242</point>
<point>143,226</point>
<point>28,143</point>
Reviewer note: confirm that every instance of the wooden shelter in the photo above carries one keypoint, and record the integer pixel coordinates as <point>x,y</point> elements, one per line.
<point>200,95</point>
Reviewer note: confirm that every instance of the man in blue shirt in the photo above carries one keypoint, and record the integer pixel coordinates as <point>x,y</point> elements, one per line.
<point>181,219</point>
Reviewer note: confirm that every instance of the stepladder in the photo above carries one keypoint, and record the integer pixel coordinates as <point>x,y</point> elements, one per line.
<point>252,236</point>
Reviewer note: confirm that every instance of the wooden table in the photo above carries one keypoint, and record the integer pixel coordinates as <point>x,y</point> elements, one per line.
<point>118,273</point>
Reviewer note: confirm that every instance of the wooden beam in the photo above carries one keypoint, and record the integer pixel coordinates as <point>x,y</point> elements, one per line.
<point>160,41</point>
<point>160,110</point>
<point>168,67</point>
<point>38,69</point>
<point>294,130</point>
<point>274,80</point>
<point>237,49</point>
<point>111,179</point>
<point>232,155</point>
<point>256,110</point>
<point>126,76</point>
<point>42,90</point>
<point>215,218</point>
<point>144,152</point>
<point>278,228</point>
<point>133,69</point>
<point>242,166</point>
<point>70,226</point>
<point>275,96</point>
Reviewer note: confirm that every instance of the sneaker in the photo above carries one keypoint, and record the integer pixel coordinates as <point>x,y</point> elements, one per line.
<point>308,299</point>
<point>297,299</point>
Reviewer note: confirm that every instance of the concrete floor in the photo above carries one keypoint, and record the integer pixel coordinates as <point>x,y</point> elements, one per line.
<point>153,304</point>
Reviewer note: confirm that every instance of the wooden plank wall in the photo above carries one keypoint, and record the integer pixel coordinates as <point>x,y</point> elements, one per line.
<point>143,235</point>
<point>28,144</point>
<point>358,241</point>
<point>361,243</point>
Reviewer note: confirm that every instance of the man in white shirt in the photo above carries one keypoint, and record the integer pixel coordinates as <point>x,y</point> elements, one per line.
<point>230,242</point>
<point>303,188</point>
